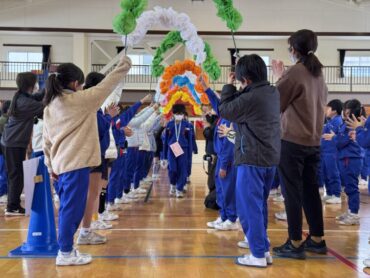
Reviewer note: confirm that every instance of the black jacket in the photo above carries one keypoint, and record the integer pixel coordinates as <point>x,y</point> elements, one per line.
<point>17,132</point>
<point>209,132</point>
<point>256,112</point>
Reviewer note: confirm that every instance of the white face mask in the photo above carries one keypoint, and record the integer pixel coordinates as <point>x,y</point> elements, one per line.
<point>292,58</point>
<point>179,117</point>
<point>36,88</point>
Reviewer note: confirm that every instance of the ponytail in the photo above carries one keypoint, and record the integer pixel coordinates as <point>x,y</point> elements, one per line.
<point>305,44</point>
<point>59,81</point>
<point>26,82</point>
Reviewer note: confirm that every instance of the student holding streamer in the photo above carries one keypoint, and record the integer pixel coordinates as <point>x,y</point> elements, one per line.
<point>71,145</point>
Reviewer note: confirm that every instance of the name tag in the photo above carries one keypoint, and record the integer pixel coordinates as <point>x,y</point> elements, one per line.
<point>176,149</point>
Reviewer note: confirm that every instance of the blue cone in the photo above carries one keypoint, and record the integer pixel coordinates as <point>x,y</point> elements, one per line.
<point>41,238</point>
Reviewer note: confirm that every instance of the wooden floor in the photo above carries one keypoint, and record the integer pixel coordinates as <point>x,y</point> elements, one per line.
<point>168,238</point>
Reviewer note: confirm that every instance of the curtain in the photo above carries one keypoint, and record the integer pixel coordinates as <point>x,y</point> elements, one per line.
<point>342,55</point>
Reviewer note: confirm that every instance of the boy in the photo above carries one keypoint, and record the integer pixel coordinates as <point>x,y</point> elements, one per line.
<point>256,112</point>
<point>329,154</point>
<point>177,147</point>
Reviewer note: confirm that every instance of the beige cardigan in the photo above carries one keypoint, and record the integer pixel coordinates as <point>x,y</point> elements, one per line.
<point>70,134</point>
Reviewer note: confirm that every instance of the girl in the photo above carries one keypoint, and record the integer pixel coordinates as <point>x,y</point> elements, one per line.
<point>159,149</point>
<point>350,156</point>
<point>17,135</point>
<point>71,145</point>
<point>177,147</point>
<point>98,174</point>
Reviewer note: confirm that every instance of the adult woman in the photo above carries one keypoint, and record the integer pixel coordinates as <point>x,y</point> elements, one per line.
<point>303,95</point>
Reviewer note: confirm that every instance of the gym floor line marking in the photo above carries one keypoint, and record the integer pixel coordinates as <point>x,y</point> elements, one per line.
<point>196,229</point>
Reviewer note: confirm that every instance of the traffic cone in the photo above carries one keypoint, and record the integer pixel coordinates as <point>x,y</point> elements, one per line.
<point>41,238</point>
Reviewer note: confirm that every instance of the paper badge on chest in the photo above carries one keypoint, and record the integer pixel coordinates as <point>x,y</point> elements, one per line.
<point>176,149</point>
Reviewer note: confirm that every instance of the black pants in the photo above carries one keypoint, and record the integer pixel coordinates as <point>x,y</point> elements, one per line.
<point>298,174</point>
<point>211,182</point>
<point>14,158</point>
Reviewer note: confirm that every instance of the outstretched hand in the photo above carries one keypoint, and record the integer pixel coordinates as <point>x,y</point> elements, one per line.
<point>354,123</point>
<point>112,110</point>
<point>278,68</point>
<point>223,130</point>
<point>147,99</point>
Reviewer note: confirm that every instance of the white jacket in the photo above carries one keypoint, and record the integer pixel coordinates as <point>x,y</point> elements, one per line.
<point>148,135</point>
<point>135,124</point>
<point>37,136</point>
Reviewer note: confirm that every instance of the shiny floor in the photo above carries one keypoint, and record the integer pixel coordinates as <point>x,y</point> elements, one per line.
<point>167,237</point>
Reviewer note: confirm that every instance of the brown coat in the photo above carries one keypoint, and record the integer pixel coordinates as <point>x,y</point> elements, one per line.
<point>303,99</point>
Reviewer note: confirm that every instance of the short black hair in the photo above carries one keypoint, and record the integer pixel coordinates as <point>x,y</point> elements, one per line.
<point>336,105</point>
<point>251,67</point>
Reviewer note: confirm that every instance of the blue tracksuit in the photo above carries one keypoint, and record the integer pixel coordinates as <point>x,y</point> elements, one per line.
<point>104,122</point>
<point>177,166</point>
<point>365,164</point>
<point>225,187</point>
<point>363,139</point>
<point>3,177</point>
<point>350,163</point>
<point>72,190</point>
<point>329,159</point>
<point>195,148</point>
<point>116,177</point>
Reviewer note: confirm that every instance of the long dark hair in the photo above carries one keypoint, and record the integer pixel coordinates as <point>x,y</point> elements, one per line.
<point>57,82</point>
<point>93,79</point>
<point>305,44</point>
<point>26,81</point>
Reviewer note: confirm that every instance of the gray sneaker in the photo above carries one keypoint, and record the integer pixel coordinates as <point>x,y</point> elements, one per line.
<point>91,238</point>
<point>351,219</point>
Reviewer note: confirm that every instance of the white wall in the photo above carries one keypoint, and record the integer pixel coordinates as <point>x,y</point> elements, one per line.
<point>260,15</point>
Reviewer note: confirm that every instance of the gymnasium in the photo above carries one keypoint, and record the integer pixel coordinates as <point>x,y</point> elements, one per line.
<point>185,138</point>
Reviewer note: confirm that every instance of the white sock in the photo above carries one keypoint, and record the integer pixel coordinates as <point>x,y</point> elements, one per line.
<point>85,231</point>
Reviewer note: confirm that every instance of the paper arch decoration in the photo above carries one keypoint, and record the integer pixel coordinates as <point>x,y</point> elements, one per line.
<point>169,19</point>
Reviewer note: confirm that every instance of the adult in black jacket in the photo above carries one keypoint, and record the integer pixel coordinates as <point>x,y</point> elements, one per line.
<point>17,135</point>
<point>256,112</point>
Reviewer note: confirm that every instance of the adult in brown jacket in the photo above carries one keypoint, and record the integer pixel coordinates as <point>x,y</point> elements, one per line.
<point>303,95</point>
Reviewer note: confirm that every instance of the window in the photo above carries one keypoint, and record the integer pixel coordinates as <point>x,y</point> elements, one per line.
<point>24,61</point>
<point>357,66</point>
<point>141,64</point>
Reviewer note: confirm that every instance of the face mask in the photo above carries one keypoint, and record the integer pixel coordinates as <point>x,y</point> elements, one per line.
<point>179,117</point>
<point>36,88</point>
<point>292,58</point>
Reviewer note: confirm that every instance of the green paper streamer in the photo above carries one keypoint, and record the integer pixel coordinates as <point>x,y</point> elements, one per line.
<point>125,22</point>
<point>227,12</point>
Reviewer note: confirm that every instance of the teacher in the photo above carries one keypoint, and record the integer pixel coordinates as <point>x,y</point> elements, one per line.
<point>303,96</point>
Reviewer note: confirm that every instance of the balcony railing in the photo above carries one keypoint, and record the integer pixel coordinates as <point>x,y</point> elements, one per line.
<point>355,78</point>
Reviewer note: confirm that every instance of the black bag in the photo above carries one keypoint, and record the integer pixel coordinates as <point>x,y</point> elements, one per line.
<point>210,201</point>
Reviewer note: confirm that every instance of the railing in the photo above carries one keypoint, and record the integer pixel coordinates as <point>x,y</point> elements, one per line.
<point>355,78</point>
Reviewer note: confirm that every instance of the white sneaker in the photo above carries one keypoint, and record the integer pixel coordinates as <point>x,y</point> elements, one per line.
<point>268,257</point>
<point>56,198</point>
<point>172,190</point>
<point>279,198</point>
<point>100,225</point>
<point>281,216</point>
<point>322,191</point>
<point>188,180</point>
<point>362,184</point>
<point>244,243</point>
<point>23,197</point>
<point>227,226</point>
<point>334,200</point>
<point>342,216</point>
<point>213,223</point>
<point>132,195</point>
<point>273,192</point>
<point>350,220</point>
<point>155,177</point>
<point>108,216</point>
<point>185,188</point>
<point>74,258</point>
<point>140,190</point>
<point>326,197</point>
<point>250,260</point>
<point>123,200</point>
<point>113,207</point>
<point>148,180</point>
<point>91,238</point>
<point>367,262</point>
<point>4,199</point>
<point>179,194</point>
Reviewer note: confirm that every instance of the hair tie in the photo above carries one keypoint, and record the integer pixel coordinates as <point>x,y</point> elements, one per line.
<point>310,52</point>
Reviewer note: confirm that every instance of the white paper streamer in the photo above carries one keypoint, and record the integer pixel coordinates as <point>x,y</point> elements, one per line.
<point>169,19</point>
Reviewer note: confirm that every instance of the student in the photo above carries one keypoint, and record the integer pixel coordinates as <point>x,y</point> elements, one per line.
<point>97,174</point>
<point>37,138</point>
<point>132,167</point>
<point>115,187</point>
<point>225,171</point>
<point>350,156</point>
<point>329,153</point>
<point>159,149</point>
<point>365,169</point>
<point>3,175</point>
<point>17,135</point>
<point>255,111</point>
<point>71,145</point>
<point>177,147</point>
